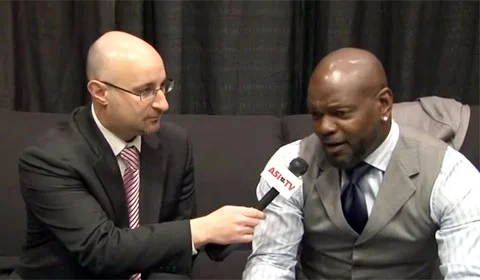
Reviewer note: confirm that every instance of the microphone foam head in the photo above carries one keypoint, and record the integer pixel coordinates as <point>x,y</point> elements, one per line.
<point>298,166</point>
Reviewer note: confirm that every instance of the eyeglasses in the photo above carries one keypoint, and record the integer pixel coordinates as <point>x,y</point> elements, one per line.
<point>148,93</point>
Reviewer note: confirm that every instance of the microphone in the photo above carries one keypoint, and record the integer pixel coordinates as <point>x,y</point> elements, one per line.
<point>283,181</point>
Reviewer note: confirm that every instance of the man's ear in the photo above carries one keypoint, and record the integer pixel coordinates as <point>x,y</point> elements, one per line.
<point>385,102</point>
<point>97,91</point>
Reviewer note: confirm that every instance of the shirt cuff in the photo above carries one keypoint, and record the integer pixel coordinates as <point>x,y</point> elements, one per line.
<point>194,251</point>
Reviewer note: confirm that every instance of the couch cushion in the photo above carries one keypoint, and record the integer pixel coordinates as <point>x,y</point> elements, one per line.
<point>19,129</point>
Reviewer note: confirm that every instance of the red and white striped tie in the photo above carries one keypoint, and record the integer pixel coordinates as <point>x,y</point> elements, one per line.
<point>131,183</point>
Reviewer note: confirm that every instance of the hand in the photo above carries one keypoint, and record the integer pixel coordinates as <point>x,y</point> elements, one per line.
<point>227,225</point>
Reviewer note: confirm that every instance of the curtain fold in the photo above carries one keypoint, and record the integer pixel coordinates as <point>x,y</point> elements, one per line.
<point>239,57</point>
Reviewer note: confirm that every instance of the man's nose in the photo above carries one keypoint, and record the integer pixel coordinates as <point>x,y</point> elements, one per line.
<point>325,125</point>
<point>160,102</point>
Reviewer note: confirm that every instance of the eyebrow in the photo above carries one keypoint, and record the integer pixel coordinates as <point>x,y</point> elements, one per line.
<point>147,85</point>
<point>312,107</point>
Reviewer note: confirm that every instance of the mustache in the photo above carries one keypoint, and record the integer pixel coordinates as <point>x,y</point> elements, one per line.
<point>332,141</point>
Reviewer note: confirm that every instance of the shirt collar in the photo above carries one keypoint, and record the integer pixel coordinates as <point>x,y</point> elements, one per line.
<point>381,156</point>
<point>116,143</point>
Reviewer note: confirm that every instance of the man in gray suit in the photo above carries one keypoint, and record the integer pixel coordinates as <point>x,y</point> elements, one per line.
<point>379,200</point>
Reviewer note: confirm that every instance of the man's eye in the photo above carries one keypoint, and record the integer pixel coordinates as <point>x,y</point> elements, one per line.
<point>341,114</point>
<point>316,115</point>
<point>146,91</point>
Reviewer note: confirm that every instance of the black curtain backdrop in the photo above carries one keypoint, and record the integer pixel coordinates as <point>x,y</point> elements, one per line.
<point>239,57</point>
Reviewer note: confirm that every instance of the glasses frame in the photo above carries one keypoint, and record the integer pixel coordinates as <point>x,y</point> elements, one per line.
<point>166,88</point>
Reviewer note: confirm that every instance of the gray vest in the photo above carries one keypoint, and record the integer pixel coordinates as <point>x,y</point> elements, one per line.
<point>399,238</point>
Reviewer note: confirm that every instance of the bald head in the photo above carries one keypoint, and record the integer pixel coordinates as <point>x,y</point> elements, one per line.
<point>352,68</point>
<point>116,47</point>
<point>125,76</point>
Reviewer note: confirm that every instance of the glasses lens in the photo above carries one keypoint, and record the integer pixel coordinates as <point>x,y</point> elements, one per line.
<point>166,87</point>
<point>148,94</point>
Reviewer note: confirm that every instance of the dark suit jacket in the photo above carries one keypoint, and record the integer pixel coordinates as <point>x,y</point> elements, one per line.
<point>76,208</point>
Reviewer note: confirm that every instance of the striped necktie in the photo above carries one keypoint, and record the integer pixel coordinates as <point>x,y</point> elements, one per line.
<point>131,183</point>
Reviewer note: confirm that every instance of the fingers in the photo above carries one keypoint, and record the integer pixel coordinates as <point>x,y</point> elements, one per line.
<point>244,229</point>
<point>248,221</point>
<point>252,212</point>
<point>247,238</point>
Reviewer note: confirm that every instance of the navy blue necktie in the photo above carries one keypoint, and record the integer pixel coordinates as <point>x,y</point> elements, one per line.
<point>353,200</point>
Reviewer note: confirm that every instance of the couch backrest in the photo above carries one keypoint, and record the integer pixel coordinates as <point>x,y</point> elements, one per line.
<point>229,151</point>
<point>229,154</point>
<point>19,129</point>
<point>296,127</point>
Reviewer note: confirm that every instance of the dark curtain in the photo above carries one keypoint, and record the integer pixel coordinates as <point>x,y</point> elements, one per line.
<point>426,47</point>
<point>238,57</point>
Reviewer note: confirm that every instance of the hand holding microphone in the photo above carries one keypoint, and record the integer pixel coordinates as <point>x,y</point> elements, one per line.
<point>226,225</point>
<point>283,181</point>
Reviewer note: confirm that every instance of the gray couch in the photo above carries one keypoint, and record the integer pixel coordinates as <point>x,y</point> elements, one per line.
<point>230,152</point>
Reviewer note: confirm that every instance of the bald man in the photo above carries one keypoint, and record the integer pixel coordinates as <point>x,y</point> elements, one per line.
<point>378,201</point>
<point>110,194</point>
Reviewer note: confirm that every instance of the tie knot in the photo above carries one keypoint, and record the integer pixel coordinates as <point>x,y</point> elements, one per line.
<point>356,173</point>
<point>131,157</point>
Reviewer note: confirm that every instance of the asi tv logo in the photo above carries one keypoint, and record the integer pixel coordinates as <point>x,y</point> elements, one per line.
<point>279,177</point>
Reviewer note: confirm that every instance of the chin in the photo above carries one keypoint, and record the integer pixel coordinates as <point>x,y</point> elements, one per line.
<point>340,161</point>
<point>152,128</point>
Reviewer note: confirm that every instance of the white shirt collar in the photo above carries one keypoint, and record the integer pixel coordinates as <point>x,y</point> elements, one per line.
<point>381,156</point>
<point>117,144</point>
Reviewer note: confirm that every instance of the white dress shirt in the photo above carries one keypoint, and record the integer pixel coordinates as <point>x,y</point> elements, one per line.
<point>454,208</point>
<point>116,143</point>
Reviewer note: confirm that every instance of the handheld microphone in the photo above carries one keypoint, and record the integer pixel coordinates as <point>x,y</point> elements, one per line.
<point>283,181</point>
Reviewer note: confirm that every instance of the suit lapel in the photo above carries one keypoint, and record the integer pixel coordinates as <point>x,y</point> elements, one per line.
<point>109,175</point>
<point>327,185</point>
<point>152,178</point>
<point>395,190</point>
<point>105,165</point>
<point>328,188</point>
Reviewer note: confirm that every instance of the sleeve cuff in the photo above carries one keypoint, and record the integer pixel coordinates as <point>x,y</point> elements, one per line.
<point>194,250</point>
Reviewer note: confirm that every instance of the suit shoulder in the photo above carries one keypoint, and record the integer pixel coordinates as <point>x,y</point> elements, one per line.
<point>58,134</point>
<point>59,143</point>
<point>172,131</point>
